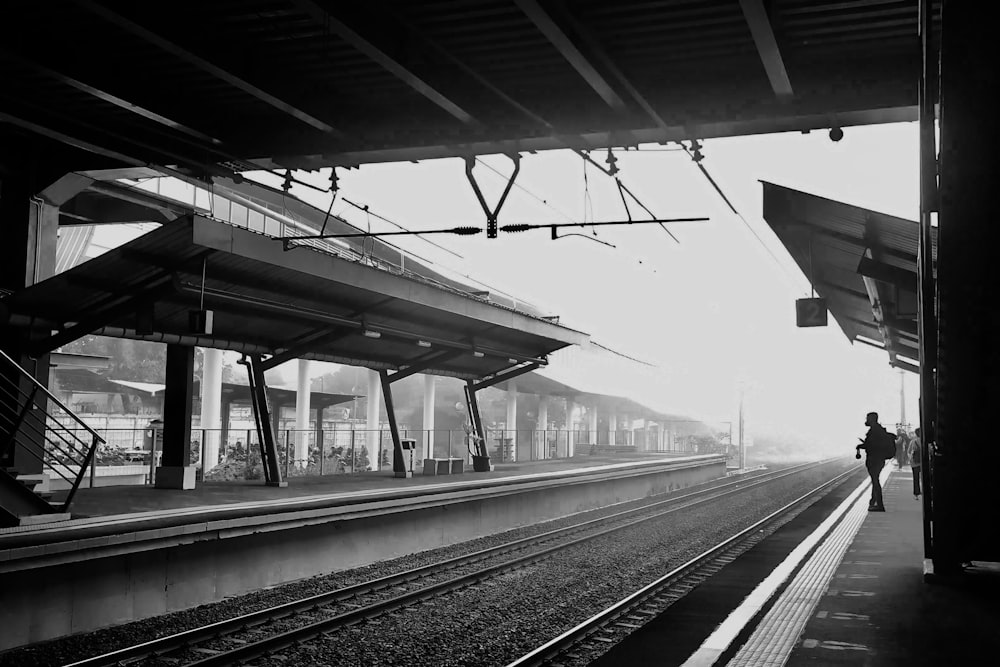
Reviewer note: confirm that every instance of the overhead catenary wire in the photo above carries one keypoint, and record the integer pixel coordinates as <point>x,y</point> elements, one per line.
<point>528,192</point>
<point>364,208</point>
<point>739,215</point>
<point>622,186</point>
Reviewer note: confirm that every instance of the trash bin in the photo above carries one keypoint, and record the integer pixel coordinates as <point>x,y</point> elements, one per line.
<point>153,443</point>
<point>402,458</point>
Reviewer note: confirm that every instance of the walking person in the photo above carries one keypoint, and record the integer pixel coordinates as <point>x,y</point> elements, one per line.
<point>879,445</point>
<point>914,454</point>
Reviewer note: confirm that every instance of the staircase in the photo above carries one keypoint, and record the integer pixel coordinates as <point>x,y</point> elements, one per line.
<point>28,426</point>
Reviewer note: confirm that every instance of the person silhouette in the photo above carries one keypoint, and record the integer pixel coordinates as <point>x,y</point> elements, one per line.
<point>874,457</point>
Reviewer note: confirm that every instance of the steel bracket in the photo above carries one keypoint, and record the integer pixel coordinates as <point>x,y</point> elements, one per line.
<point>491,214</point>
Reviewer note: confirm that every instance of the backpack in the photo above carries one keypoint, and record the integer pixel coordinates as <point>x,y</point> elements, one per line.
<point>885,444</point>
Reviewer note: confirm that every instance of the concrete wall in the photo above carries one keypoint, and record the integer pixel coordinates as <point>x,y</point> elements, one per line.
<point>70,587</point>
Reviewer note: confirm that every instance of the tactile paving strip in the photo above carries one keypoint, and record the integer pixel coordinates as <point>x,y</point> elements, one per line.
<point>776,635</point>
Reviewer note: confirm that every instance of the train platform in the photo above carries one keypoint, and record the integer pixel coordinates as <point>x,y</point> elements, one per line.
<point>124,502</point>
<point>144,552</point>
<point>863,596</point>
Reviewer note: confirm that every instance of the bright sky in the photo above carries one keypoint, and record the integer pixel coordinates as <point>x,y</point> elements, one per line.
<point>714,312</point>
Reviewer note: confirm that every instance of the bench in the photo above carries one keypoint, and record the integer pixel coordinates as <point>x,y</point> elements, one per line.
<point>448,466</point>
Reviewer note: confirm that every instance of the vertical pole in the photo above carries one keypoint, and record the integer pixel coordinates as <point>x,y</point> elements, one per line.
<point>742,448</point>
<point>321,446</point>
<point>211,405</point>
<point>288,454</point>
<point>428,422</point>
<point>927,322</point>
<point>512,418</point>
<point>374,435</point>
<point>302,410</point>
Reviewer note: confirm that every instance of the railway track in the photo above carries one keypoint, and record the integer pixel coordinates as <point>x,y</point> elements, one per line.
<point>272,630</point>
<point>595,635</point>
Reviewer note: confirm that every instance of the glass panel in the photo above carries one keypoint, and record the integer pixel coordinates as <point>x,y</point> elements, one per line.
<point>256,221</point>
<point>239,216</point>
<point>221,208</point>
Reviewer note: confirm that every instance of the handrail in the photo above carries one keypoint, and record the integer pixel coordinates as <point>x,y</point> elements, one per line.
<point>51,396</point>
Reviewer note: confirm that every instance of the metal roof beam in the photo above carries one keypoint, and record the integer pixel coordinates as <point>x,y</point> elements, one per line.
<point>562,42</point>
<point>70,140</point>
<point>201,63</point>
<point>893,275</point>
<point>905,366</point>
<point>505,376</point>
<point>110,98</point>
<point>598,51</point>
<point>379,55</point>
<point>767,47</point>
<point>423,363</point>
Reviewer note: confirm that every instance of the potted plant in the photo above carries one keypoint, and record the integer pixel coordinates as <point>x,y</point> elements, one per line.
<point>477,449</point>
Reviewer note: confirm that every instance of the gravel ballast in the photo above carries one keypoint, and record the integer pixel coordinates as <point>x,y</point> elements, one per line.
<point>491,623</point>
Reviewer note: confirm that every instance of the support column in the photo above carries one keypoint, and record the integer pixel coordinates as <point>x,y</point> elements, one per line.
<point>612,428</point>
<point>211,406</point>
<point>27,256</point>
<point>225,412</point>
<point>302,396</point>
<point>511,431</point>
<point>543,426</point>
<point>430,387</point>
<point>570,427</point>
<point>176,471</point>
<point>592,424</point>
<point>374,403</point>
<point>967,397</point>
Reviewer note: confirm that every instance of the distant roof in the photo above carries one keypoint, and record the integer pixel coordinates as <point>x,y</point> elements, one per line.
<point>140,196</point>
<point>864,263</point>
<point>146,387</point>
<point>300,303</point>
<point>72,360</point>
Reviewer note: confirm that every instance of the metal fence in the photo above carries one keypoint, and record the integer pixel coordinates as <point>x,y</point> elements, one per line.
<point>235,454</point>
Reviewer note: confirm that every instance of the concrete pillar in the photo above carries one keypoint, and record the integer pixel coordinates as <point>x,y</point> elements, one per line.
<point>612,427</point>
<point>176,471</point>
<point>542,426</point>
<point>570,427</point>
<point>374,405</point>
<point>966,308</point>
<point>27,256</point>
<point>512,419</point>
<point>302,396</point>
<point>592,424</point>
<point>430,386</point>
<point>211,406</point>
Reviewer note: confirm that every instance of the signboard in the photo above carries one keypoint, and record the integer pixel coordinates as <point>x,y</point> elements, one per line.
<point>810,312</point>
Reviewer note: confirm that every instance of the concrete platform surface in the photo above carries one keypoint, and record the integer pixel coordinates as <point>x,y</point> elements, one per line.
<point>877,609</point>
<point>118,500</point>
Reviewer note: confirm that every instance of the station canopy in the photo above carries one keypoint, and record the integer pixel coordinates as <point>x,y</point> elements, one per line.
<point>864,264</point>
<point>212,88</point>
<point>285,301</point>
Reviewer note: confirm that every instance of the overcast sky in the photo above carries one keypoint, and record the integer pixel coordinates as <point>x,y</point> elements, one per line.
<point>714,312</point>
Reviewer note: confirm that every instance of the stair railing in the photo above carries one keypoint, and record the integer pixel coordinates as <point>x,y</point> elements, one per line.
<point>25,422</point>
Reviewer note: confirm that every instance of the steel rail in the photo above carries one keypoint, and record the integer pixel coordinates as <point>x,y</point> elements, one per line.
<point>188,638</point>
<point>551,651</point>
